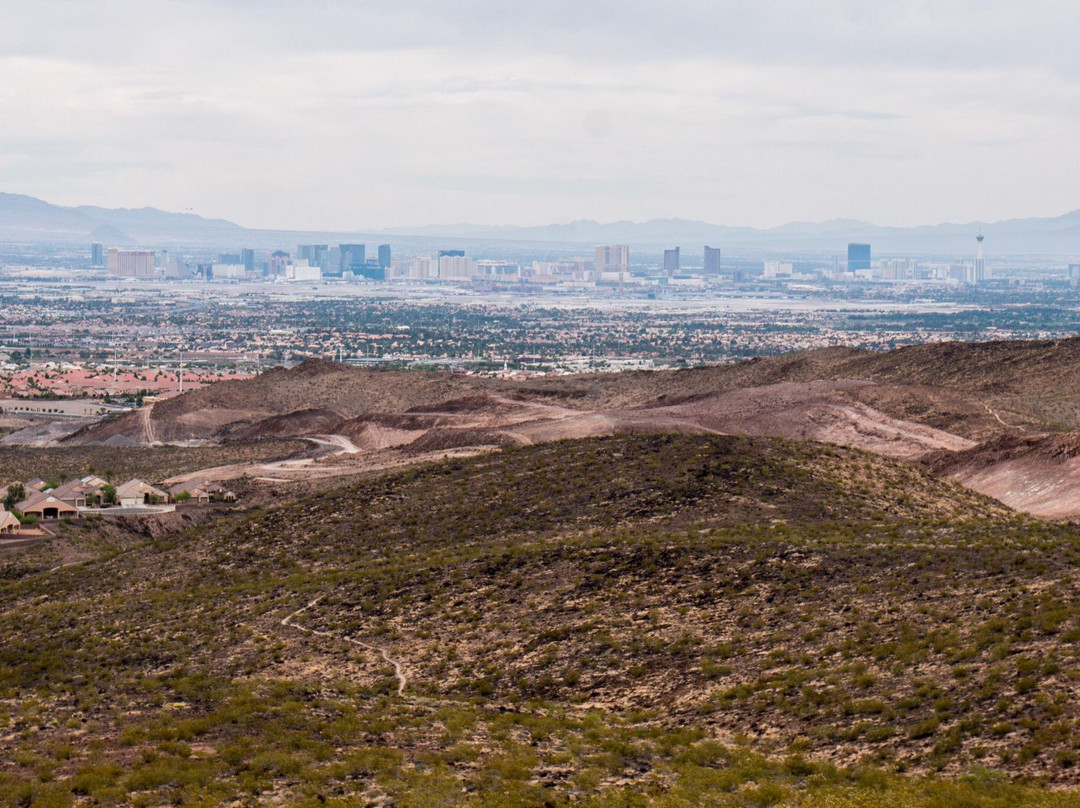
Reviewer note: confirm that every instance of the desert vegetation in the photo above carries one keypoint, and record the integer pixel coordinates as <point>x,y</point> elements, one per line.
<point>60,463</point>
<point>668,620</point>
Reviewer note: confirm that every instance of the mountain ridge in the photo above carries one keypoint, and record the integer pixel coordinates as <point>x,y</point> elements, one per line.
<point>27,218</point>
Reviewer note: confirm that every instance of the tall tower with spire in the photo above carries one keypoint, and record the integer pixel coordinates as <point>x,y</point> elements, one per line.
<point>980,264</point>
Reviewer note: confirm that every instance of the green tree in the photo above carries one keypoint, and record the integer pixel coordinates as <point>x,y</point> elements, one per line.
<point>108,494</point>
<point>15,493</point>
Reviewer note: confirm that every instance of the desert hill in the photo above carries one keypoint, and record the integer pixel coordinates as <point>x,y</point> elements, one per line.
<point>1037,382</point>
<point>911,403</point>
<point>655,619</point>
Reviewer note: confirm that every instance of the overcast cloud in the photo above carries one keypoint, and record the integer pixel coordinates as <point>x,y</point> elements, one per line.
<point>360,115</point>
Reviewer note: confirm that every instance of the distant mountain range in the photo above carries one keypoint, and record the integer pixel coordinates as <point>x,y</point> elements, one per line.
<point>1058,235</point>
<point>24,218</point>
<point>27,219</point>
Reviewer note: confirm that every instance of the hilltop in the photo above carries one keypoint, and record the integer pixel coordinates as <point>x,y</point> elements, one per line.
<point>914,403</point>
<point>678,620</point>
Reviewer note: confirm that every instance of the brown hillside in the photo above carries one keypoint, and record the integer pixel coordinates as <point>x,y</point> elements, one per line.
<point>908,403</point>
<point>582,617</point>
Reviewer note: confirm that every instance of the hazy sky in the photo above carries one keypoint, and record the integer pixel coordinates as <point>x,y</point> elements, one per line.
<point>353,115</point>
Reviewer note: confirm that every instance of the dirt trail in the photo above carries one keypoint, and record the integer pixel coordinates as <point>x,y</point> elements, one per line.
<point>399,672</point>
<point>998,418</point>
<point>68,564</point>
<point>149,437</point>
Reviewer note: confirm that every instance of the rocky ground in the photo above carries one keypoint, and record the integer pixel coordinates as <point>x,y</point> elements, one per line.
<point>672,619</point>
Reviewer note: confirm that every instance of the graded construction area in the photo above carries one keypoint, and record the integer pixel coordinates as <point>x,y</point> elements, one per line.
<point>957,406</point>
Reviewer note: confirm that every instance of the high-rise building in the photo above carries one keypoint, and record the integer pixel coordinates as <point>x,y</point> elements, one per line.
<point>612,258</point>
<point>317,255</point>
<point>899,269</point>
<point>352,255</point>
<point>247,258</point>
<point>97,254</point>
<point>1074,275</point>
<point>232,259</point>
<point>671,261</point>
<point>858,257</point>
<point>221,271</point>
<point>960,272</point>
<point>277,264</point>
<point>131,263</point>
<point>453,265</point>
<point>712,261</point>
<point>384,256</point>
<point>497,270</point>
<point>980,264</point>
<point>777,269</point>
<point>424,267</point>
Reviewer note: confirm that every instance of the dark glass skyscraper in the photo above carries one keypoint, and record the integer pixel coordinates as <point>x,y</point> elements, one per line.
<point>352,255</point>
<point>858,257</point>
<point>384,256</point>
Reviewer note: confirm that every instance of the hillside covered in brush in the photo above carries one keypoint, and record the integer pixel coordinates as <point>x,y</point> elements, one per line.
<point>676,620</point>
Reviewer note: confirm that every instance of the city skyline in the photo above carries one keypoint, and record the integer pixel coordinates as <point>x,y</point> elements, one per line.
<point>747,116</point>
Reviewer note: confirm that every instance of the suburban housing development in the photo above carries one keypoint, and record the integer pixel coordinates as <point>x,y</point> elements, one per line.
<point>95,495</point>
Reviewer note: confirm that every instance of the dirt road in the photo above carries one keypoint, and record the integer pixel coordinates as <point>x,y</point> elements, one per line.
<point>145,413</point>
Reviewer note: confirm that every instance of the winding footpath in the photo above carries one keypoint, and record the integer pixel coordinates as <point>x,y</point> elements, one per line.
<point>998,417</point>
<point>68,564</point>
<point>399,672</point>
